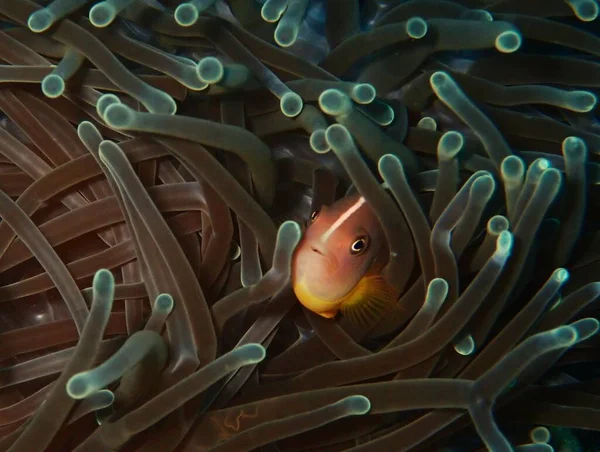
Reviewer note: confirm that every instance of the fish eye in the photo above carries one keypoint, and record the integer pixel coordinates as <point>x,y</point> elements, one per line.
<point>314,216</point>
<point>359,246</point>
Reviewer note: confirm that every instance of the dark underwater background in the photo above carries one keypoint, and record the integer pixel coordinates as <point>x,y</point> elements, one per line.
<point>160,160</point>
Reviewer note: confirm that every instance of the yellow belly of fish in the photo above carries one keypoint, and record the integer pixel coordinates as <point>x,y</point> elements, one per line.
<point>365,305</point>
<point>318,305</point>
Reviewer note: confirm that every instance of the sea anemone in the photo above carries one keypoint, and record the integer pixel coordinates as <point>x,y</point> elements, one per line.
<point>159,159</point>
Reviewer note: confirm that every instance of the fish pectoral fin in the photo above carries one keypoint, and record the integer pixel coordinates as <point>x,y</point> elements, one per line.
<point>370,303</point>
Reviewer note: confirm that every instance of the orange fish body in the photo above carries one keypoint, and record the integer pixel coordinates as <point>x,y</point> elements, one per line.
<point>337,264</point>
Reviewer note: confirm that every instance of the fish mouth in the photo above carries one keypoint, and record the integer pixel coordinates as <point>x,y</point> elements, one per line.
<point>317,250</point>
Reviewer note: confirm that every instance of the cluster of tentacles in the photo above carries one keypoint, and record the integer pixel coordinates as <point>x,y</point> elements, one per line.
<point>158,160</point>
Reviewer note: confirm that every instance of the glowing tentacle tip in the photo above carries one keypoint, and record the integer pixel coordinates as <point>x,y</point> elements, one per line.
<point>437,291</point>
<point>508,41</point>
<point>119,116</point>
<point>103,284</point>
<point>78,387</point>
<point>334,102</point>
<point>40,20</point>
<point>251,353</point>
<point>186,14</point>
<point>105,101</point>
<point>427,123</point>
<point>512,170</point>
<point>574,150</point>
<point>497,224</point>
<point>465,346</point>
<point>164,303</point>
<point>363,93</point>
<point>102,14</point>
<point>318,143</point>
<point>584,329</point>
<point>53,86</point>
<point>561,275</point>
<point>288,236</point>
<point>585,10</point>
<point>449,145</point>
<point>540,435</point>
<point>272,10</point>
<point>581,101</point>
<point>210,70</point>
<point>416,27</point>
<point>338,137</point>
<point>477,14</point>
<point>291,104</point>
<point>101,399</point>
<point>356,404</point>
<point>504,244</point>
<point>390,167</point>
<point>444,86</point>
<point>286,34</point>
<point>540,165</point>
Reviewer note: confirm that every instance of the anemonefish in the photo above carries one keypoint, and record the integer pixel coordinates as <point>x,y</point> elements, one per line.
<point>337,264</point>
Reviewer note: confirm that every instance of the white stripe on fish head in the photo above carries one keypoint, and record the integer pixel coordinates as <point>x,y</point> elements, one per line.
<point>342,219</point>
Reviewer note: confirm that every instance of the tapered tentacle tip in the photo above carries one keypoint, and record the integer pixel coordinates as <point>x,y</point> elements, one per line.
<point>338,137</point>
<point>574,149</point>
<point>497,224</point>
<point>78,387</point>
<point>508,41</point>
<point>416,27</point>
<point>504,244</point>
<point>334,102</point>
<point>102,14</point>
<point>582,101</point>
<point>103,284</point>
<point>427,123</point>
<point>540,435</point>
<point>286,34</point>
<point>318,142</point>
<point>88,133</point>
<point>272,10</point>
<point>560,275</point>
<point>289,233</point>
<point>186,14</point>
<point>465,346</point>
<point>119,116</point>
<point>585,10</point>
<point>483,187</point>
<point>101,399</point>
<point>585,328</point>
<point>363,93</point>
<point>53,86</point>
<point>105,101</point>
<point>252,353</point>
<point>477,14</point>
<point>40,20</point>
<point>512,170</point>
<point>391,169</point>
<point>553,176</point>
<point>440,80</point>
<point>437,291</point>
<point>356,404</point>
<point>291,104</point>
<point>210,70</point>
<point>450,144</point>
<point>164,303</point>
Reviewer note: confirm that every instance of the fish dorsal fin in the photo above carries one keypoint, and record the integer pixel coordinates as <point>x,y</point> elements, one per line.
<point>369,302</point>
